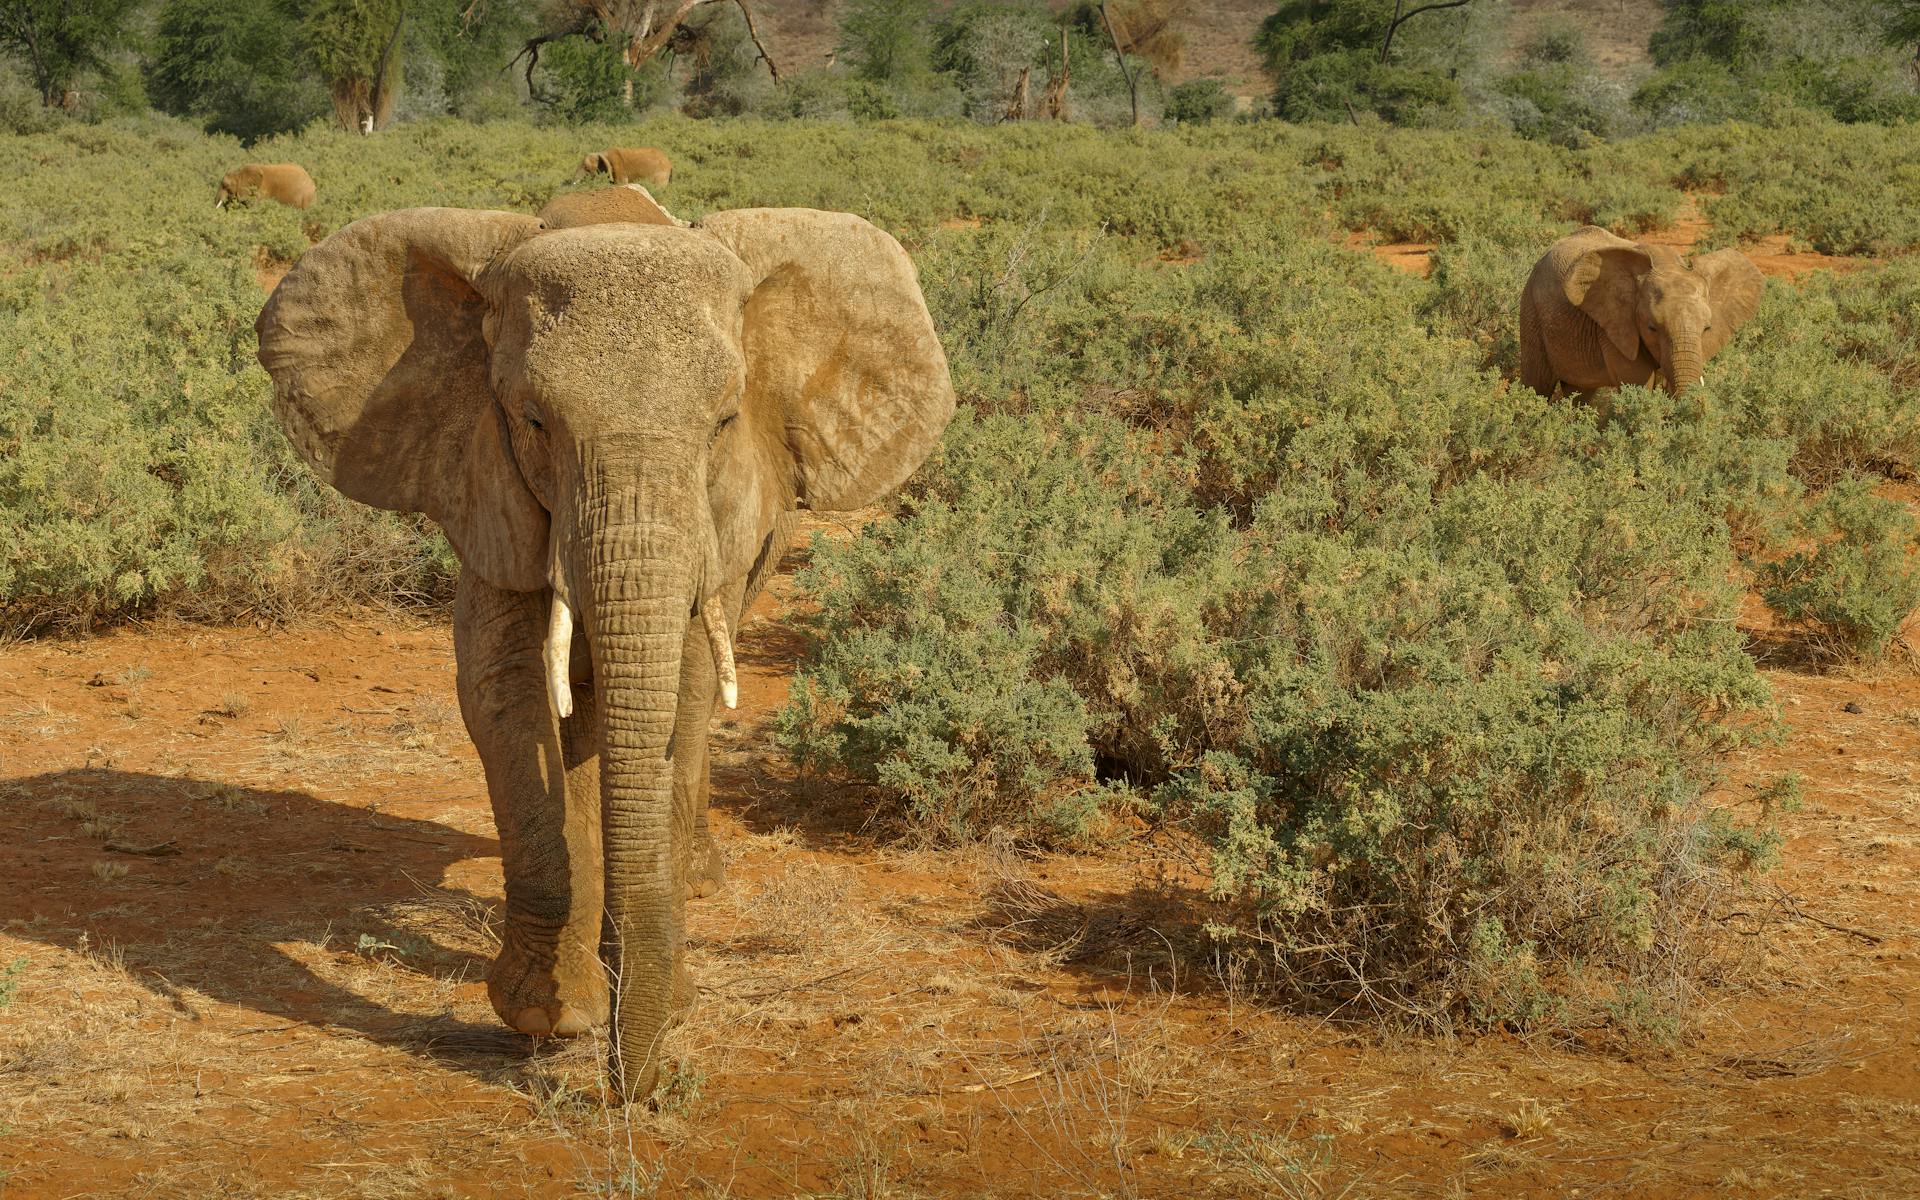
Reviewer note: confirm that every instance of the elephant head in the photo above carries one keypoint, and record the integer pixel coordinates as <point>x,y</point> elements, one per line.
<point>1648,296</point>
<point>594,164</point>
<point>240,183</point>
<point>616,413</point>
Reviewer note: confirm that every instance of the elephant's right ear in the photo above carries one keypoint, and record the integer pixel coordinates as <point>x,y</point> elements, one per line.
<point>1605,284</point>
<point>380,378</point>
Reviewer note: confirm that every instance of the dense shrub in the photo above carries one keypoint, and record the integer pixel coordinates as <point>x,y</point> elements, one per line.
<point>1198,101</point>
<point>1829,55</point>
<point>1434,666</point>
<point>1856,580</point>
<point>1568,104</point>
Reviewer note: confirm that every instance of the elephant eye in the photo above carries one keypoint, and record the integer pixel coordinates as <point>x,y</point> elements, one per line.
<point>532,416</point>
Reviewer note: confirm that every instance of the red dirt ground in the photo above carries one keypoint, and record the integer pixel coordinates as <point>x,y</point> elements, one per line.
<point>250,871</point>
<point>1771,254</point>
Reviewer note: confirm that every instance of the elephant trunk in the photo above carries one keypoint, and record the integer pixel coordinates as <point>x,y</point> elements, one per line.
<point>220,198</point>
<point>635,565</point>
<point>1685,363</point>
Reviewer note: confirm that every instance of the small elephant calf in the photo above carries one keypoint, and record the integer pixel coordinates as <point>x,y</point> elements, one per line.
<point>1599,311</point>
<point>630,164</point>
<point>288,183</point>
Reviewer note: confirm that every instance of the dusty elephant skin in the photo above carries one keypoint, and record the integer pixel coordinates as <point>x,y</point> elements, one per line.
<point>612,422</point>
<point>1599,311</point>
<point>288,183</point>
<point>598,206</point>
<point>630,164</point>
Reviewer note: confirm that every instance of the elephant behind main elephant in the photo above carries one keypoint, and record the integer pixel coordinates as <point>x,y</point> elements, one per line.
<point>613,420</point>
<point>1599,311</point>
<point>288,183</point>
<point>630,164</point>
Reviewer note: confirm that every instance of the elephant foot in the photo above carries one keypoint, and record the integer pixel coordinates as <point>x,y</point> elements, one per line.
<point>537,996</point>
<point>539,1022</point>
<point>707,873</point>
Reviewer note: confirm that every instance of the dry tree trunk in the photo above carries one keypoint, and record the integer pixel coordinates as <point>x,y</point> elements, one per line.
<point>1056,101</point>
<point>1017,107</point>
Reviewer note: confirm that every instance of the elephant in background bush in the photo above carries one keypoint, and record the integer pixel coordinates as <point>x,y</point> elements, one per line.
<point>613,422</point>
<point>630,164</point>
<point>288,183</point>
<point>1599,311</point>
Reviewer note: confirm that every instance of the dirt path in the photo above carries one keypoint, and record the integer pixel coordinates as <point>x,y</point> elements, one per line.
<point>1772,254</point>
<point>249,878</point>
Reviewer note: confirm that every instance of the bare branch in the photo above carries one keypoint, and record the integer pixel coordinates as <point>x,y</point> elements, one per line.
<point>1386,43</point>
<point>1119,56</point>
<point>755,35</point>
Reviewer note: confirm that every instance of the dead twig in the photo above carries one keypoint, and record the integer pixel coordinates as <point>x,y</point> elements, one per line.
<point>1791,903</point>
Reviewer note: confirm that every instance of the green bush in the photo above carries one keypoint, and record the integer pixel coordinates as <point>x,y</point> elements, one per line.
<point>1855,586</point>
<point>1436,668</point>
<point>1568,104</point>
<point>581,80</point>
<point>1198,101</point>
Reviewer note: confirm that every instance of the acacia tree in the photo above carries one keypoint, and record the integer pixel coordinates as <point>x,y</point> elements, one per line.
<point>60,38</point>
<point>355,45</point>
<point>641,28</point>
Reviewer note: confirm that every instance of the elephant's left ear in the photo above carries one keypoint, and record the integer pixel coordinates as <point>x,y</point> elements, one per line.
<point>1734,286</point>
<point>838,340</point>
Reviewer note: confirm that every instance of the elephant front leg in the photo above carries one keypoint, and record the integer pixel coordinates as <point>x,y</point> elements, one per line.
<point>547,979</point>
<point>703,867</point>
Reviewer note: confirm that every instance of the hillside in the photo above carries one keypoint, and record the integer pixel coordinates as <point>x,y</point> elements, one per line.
<point>1219,33</point>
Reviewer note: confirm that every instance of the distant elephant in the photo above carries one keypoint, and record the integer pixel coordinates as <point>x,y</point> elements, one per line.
<point>598,206</point>
<point>288,183</point>
<point>630,164</point>
<point>1600,311</point>
<point>612,422</point>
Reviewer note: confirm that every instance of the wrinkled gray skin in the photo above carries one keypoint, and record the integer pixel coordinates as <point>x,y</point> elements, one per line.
<point>288,183</point>
<point>622,418</point>
<point>1599,311</point>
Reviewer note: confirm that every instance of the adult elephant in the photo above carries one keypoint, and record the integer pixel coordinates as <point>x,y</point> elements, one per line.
<point>288,183</point>
<point>1599,311</point>
<point>613,422</point>
<point>630,164</point>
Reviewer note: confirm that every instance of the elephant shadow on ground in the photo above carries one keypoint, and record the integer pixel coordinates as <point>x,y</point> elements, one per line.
<point>199,885</point>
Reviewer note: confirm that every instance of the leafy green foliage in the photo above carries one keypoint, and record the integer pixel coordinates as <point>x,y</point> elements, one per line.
<point>356,47</point>
<point>57,39</point>
<point>1838,57</point>
<point>1326,63</point>
<point>584,80</point>
<point>1198,101</point>
<point>886,41</point>
<point>984,45</point>
<point>233,65</point>
<point>1858,581</point>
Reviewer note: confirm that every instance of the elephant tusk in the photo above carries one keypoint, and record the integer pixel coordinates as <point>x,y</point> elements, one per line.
<point>721,639</point>
<point>558,654</point>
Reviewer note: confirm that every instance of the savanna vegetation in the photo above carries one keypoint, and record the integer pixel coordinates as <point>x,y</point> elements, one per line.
<point>1237,533</point>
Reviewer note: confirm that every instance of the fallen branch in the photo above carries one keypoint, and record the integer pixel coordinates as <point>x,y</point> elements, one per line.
<point>1791,903</point>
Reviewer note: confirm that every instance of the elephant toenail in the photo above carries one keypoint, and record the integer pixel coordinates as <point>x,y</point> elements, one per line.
<point>572,1023</point>
<point>533,1022</point>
